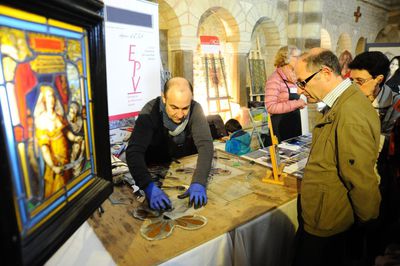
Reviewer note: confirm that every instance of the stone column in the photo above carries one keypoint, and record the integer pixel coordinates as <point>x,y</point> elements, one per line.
<point>304,31</point>
<point>241,50</point>
<point>304,25</point>
<point>182,64</point>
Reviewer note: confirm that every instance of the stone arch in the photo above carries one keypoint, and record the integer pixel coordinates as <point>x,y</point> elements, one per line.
<point>189,17</point>
<point>326,39</point>
<point>390,34</point>
<point>264,13</point>
<point>268,24</point>
<point>266,35</point>
<point>332,31</point>
<point>217,21</point>
<point>170,32</point>
<point>344,43</point>
<point>224,21</point>
<point>360,47</point>
<point>169,20</point>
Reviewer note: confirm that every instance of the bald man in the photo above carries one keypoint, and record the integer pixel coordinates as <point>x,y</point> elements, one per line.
<point>169,127</point>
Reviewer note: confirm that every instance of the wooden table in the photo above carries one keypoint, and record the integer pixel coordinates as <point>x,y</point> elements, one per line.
<point>226,209</point>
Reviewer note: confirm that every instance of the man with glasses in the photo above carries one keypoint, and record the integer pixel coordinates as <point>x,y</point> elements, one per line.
<point>340,186</point>
<point>369,71</point>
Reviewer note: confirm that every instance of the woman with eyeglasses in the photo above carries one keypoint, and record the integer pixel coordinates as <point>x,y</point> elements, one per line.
<point>393,79</point>
<point>281,98</point>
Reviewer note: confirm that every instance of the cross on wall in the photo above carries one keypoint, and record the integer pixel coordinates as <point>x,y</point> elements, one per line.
<point>357,13</point>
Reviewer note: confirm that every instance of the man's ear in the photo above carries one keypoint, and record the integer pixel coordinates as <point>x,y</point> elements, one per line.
<point>379,79</point>
<point>163,98</point>
<point>323,74</point>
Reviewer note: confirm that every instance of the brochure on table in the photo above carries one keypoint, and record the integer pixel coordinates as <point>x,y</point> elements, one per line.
<point>294,153</point>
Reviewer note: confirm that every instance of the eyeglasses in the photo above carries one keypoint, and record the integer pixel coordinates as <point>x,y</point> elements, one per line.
<point>360,81</point>
<point>302,84</point>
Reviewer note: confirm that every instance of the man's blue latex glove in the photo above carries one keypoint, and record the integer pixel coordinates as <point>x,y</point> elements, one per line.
<point>157,199</point>
<point>197,195</point>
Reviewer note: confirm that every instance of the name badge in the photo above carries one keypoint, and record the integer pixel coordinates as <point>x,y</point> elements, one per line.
<point>293,90</point>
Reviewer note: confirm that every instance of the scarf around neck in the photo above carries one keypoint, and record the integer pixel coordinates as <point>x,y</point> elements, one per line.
<point>176,131</point>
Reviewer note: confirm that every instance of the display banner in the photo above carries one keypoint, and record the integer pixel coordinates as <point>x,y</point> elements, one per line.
<point>132,56</point>
<point>209,44</point>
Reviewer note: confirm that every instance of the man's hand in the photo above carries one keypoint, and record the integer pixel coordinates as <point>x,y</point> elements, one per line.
<point>156,198</point>
<point>224,138</point>
<point>303,104</point>
<point>370,89</point>
<point>197,195</point>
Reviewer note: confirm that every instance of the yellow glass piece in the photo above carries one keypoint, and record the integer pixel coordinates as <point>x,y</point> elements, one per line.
<point>18,211</point>
<point>48,201</point>
<point>74,50</point>
<point>88,72</point>
<point>9,66</point>
<point>8,11</point>
<point>45,64</point>
<point>56,23</point>
<point>78,179</point>
<point>13,44</point>
<point>62,205</point>
<point>79,191</point>
<point>80,67</point>
<point>22,156</point>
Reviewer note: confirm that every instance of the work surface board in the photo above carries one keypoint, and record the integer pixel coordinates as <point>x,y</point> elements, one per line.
<point>236,195</point>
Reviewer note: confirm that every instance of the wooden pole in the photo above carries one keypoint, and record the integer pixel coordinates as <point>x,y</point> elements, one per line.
<point>277,176</point>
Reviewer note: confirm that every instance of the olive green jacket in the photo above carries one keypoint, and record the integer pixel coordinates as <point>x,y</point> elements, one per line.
<point>339,184</point>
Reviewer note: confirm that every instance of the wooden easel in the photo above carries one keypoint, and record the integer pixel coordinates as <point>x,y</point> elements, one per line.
<point>256,54</point>
<point>277,176</point>
<point>211,67</point>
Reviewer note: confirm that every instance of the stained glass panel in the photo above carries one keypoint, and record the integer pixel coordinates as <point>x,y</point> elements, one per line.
<point>46,106</point>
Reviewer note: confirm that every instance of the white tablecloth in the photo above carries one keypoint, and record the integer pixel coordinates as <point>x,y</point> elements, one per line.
<point>266,240</point>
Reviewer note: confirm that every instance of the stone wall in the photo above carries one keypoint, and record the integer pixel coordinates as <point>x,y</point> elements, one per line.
<point>271,23</point>
<point>338,19</point>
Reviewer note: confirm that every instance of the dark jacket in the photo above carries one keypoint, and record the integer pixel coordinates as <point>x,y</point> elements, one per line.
<point>151,143</point>
<point>394,82</point>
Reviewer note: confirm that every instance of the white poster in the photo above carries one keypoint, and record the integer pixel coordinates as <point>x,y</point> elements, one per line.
<point>132,55</point>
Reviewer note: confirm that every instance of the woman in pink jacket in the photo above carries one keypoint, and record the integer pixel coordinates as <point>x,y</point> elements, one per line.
<point>281,98</point>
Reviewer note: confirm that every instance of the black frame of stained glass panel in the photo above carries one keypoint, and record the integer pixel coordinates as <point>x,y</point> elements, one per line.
<point>36,247</point>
